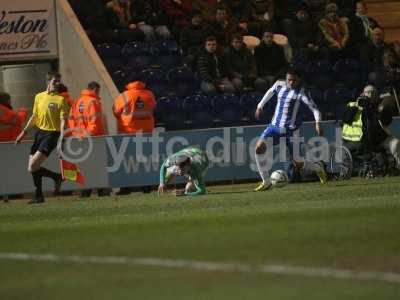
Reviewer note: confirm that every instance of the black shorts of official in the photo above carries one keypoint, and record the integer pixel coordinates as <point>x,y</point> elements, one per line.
<point>45,141</point>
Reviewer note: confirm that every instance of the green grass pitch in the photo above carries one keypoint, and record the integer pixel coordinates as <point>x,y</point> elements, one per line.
<point>351,225</point>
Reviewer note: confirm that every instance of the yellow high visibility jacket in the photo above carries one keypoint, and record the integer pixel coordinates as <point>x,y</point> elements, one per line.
<point>353,132</point>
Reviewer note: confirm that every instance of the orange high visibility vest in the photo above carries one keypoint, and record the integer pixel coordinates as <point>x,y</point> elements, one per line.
<point>134,109</point>
<point>11,122</point>
<point>86,113</point>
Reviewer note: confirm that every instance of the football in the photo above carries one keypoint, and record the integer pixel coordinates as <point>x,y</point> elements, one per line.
<point>279,178</point>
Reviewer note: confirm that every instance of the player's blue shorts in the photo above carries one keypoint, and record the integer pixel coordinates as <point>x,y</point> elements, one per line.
<point>277,134</point>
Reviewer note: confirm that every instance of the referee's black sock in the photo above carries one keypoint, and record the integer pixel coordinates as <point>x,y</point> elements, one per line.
<point>37,181</point>
<point>47,173</point>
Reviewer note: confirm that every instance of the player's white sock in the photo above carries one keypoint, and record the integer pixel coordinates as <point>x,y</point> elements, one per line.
<point>312,166</point>
<point>262,167</point>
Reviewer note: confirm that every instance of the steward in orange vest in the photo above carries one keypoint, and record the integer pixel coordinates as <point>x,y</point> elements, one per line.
<point>134,109</point>
<point>10,121</point>
<point>86,113</point>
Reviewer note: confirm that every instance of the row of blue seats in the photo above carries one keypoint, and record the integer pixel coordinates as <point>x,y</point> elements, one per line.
<point>324,74</point>
<point>140,55</point>
<point>200,111</point>
<point>180,81</point>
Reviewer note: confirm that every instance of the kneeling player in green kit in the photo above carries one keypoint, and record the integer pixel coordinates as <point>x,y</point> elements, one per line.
<point>191,162</point>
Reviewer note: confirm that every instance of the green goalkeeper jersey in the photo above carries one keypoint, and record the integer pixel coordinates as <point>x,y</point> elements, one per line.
<point>198,167</point>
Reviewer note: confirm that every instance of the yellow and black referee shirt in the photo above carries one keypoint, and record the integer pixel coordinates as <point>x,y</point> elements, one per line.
<point>49,109</point>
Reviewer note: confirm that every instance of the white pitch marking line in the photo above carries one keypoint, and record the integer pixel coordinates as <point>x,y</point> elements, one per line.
<point>210,266</point>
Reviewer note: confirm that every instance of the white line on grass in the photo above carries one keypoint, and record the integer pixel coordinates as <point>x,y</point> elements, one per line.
<point>209,266</point>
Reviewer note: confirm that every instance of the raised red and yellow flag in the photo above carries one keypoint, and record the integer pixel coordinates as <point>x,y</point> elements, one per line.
<point>70,171</point>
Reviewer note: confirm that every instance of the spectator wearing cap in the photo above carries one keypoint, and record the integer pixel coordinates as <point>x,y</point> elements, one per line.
<point>335,33</point>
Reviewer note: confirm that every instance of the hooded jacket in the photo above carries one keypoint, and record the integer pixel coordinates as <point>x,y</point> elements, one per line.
<point>134,109</point>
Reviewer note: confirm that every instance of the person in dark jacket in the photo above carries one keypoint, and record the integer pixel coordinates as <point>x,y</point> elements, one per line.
<point>150,19</point>
<point>270,61</point>
<point>223,27</point>
<point>241,64</point>
<point>361,26</point>
<point>372,54</point>
<point>192,37</point>
<point>212,69</point>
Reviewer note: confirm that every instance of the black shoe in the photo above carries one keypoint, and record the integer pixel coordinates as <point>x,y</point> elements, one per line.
<point>57,185</point>
<point>85,193</point>
<point>103,192</point>
<point>124,191</point>
<point>36,200</point>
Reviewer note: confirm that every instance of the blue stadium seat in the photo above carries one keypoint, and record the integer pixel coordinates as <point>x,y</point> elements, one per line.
<point>248,105</point>
<point>349,72</point>
<point>319,74</point>
<point>184,81</point>
<point>108,50</point>
<point>138,55</point>
<point>169,113</point>
<point>156,81</point>
<point>226,109</point>
<point>113,64</point>
<point>317,96</point>
<point>120,78</point>
<point>198,111</point>
<point>337,99</point>
<point>166,54</point>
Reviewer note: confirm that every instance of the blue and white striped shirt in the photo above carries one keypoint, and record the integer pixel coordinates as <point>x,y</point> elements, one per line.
<point>290,102</point>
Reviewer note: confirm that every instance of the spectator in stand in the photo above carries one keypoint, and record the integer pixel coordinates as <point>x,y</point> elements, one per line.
<point>304,35</point>
<point>178,12</point>
<point>270,61</point>
<point>361,26</point>
<point>106,22</point>
<point>335,32</point>
<point>86,119</point>
<point>241,64</point>
<point>222,27</point>
<point>134,111</point>
<point>240,11</point>
<point>10,120</point>
<point>262,16</point>
<point>207,8</point>
<point>192,37</point>
<point>212,69</point>
<point>150,19</point>
<point>389,74</point>
<point>372,54</point>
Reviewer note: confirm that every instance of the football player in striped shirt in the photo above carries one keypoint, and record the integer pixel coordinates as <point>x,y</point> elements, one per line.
<point>287,118</point>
